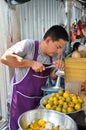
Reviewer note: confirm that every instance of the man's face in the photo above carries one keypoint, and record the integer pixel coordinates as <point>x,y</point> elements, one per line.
<point>55,47</point>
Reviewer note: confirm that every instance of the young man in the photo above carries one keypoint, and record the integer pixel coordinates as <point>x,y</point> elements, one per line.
<point>30,59</point>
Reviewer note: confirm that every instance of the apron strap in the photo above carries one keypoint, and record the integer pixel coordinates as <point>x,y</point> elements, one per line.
<point>36,50</point>
<point>50,59</point>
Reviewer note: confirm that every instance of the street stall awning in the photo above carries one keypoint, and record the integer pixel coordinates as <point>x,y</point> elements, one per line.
<point>15,2</point>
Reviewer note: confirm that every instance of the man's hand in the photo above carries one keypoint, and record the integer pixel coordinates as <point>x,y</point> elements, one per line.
<point>38,66</point>
<point>59,64</point>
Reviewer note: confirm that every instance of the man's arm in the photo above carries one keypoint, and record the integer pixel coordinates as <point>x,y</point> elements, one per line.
<point>52,74</point>
<point>15,61</point>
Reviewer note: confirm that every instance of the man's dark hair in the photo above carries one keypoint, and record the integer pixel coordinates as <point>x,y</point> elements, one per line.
<point>56,32</point>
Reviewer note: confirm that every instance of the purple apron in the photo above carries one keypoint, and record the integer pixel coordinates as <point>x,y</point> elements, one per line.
<point>27,93</point>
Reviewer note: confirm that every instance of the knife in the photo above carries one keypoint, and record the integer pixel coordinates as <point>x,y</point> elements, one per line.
<point>51,66</point>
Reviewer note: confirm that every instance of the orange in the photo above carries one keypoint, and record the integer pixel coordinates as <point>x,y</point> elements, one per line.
<point>80,100</point>
<point>70,109</point>
<point>71,104</point>
<point>75,100</point>
<point>58,109</point>
<point>48,106</point>
<point>64,110</point>
<point>45,101</point>
<point>53,94</point>
<point>68,99</point>
<point>66,94</point>
<point>60,92</point>
<point>78,106</point>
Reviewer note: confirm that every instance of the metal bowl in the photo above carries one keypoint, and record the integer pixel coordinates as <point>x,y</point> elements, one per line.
<point>72,114</point>
<point>52,116</point>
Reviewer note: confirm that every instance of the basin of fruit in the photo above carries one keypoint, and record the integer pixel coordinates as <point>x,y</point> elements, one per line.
<point>63,101</point>
<point>42,119</point>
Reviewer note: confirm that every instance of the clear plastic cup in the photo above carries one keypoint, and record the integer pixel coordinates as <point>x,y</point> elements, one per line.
<point>74,86</point>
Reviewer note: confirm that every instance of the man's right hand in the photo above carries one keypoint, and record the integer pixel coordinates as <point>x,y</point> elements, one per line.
<point>38,66</point>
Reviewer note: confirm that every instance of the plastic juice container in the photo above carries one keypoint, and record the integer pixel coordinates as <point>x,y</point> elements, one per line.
<point>85,88</point>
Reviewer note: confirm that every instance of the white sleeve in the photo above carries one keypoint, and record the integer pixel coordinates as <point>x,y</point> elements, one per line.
<point>22,47</point>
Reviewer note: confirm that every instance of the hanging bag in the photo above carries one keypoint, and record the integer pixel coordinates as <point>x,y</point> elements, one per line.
<point>78,31</point>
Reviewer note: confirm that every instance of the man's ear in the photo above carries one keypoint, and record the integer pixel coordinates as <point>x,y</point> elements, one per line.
<point>48,40</point>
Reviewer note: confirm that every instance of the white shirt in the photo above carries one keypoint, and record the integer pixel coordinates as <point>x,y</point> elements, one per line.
<point>25,49</point>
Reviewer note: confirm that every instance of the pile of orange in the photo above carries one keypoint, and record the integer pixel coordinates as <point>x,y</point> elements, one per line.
<point>42,125</point>
<point>63,101</point>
